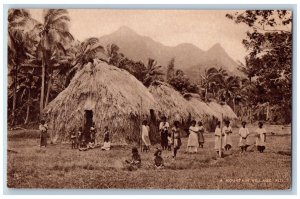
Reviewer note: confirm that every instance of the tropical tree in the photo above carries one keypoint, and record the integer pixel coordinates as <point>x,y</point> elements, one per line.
<point>228,89</point>
<point>171,69</point>
<point>18,41</point>
<point>114,56</point>
<point>152,72</point>
<point>54,36</point>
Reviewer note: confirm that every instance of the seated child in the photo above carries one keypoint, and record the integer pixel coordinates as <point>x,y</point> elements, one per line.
<point>135,158</point>
<point>158,160</point>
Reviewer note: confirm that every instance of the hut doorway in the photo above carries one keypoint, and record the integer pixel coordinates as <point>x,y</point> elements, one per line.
<point>88,122</point>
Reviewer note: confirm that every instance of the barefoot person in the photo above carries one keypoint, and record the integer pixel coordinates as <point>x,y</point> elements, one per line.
<point>200,134</point>
<point>219,138</point>
<point>164,128</point>
<point>158,160</point>
<point>176,140</point>
<point>261,137</point>
<point>193,143</point>
<point>106,144</point>
<point>227,131</point>
<point>145,136</point>
<point>43,127</point>
<point>244,133</point>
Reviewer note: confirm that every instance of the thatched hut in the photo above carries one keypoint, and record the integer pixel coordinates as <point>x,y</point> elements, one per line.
<point>107,95</point>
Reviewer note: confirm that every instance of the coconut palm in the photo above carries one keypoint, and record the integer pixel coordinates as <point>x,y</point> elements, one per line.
<point>54,36</point>
<point>114,56</point>
<point>152,73</point>
<point>228,89</point>
<point>18,19</point>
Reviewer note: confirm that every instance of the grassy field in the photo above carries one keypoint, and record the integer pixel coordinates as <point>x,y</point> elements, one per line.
<point>59,166</point>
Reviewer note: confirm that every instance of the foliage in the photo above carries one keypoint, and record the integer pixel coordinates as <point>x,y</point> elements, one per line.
<point>269,44</point>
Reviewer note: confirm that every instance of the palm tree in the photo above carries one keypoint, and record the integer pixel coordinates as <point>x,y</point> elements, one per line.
<point>18,19</point>
<point>87,51</point>
<point>114,57</point>
<point>54,35</point>
<point>229,86</point>
<point>152,73</point>
<point>210,79</point>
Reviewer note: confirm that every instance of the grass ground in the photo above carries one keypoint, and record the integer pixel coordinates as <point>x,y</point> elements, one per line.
<point>59,166</point>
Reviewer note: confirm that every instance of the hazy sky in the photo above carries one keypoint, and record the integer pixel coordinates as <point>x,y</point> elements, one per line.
<point>203,28</point>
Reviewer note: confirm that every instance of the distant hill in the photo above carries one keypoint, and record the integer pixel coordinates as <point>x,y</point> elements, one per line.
<point>188,57</point>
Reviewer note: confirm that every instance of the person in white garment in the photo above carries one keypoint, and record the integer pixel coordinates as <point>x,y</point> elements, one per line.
<point>244,140</point>
<point>193,143</point>
<point>145,136</point>
<point>227,131</point>
<point>219,137</point>
<point>261,135</point>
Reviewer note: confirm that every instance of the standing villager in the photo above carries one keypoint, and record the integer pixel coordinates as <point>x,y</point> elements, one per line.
<point>93,132</point>
<point>244,133</point>
<point>261,137</point>
<point>73,140</point>
<point>176,140</point>
<point>200,134</point>
<point>43,127</point>
<point>145,136</point>
<point>227,131</point>
<point>106,144</point>
<point>218,138</point>
<point>158,160</point>
<point>193,143</point>
<point>164,128</point>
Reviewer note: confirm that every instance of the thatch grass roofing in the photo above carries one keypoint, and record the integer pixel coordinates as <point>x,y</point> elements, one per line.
<point>112,94</point>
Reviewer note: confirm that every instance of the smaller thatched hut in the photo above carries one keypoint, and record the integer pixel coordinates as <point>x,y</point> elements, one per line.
<point>103,94</point>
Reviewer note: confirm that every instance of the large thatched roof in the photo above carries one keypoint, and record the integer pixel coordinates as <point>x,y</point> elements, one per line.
<point>112,94</point>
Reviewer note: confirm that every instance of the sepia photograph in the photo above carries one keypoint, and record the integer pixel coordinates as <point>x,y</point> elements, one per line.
<point>181,99</point>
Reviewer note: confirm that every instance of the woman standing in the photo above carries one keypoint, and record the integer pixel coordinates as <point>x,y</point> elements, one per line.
<point>193,143</point>
<point>227,131</point>
<point>200,134</point>
<point>44,135</point>
<point>261,137</point>
<point>106,144</point>
<point>145,136</point>
<point>218,138</point>
<point>163,128</point>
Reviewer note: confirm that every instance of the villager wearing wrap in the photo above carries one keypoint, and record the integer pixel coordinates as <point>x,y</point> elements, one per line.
<point>244,134</point>
<point>261,137</point>
<point>218,136</point>
<point>145,136</point>
<point>227,131</point>
<point>193,143</point>
<point>106,143</point>
<point>176,140</point>
<point>43,127</point>
<point>164,128</point>
<point>200,134</point>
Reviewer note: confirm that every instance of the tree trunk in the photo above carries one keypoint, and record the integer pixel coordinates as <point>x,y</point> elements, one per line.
<point>206,94</point>
<point>48,91</point>
<point>28,107</point>
<point>15,94</point>
<point>233,101</point>
<point>268,111</point>
<point>43,86</point>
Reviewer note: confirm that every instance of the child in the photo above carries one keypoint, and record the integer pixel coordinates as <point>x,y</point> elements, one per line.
<point>200,134</point>
<point>193,143</point>
<point>93,133</point>
<point>176,140</point>
<point>244,133</point>
<point>135,158</point>
<point>74,140</point>
<point>164,127</point>
<point>261,138</point>
<point>44,135</point>
<point>81,140</point>
<point>227,131</point>
<point>158,160</point>
<point>218,138</point>
<point>145,136</point>
<point>106,144</point>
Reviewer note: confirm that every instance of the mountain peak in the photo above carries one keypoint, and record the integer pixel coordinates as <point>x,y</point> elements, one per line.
<point>125,30</point>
